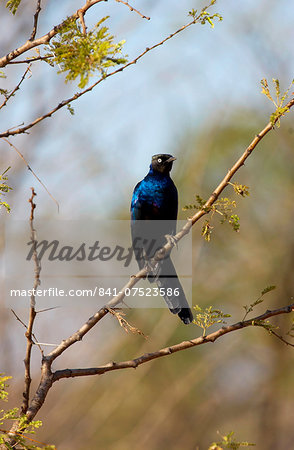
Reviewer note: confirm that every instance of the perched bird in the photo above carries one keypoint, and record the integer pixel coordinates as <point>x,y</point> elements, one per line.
<point>155,198</point>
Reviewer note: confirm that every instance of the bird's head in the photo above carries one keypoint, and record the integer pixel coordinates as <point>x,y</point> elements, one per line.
<point>162,163</point>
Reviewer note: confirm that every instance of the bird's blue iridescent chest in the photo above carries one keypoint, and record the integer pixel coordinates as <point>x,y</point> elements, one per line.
<point>155,197</point>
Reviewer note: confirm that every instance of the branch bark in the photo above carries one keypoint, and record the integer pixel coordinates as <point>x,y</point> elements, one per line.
<point>212,337</point>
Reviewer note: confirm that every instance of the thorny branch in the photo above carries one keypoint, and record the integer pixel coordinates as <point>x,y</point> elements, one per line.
<point>133,9</point>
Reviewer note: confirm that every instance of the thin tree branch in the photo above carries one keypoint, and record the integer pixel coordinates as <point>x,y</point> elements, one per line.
<point>45,38</point>
<point>133,9</point>
<point>29,332</point>
<point>30,60</point>
<point>36,17</point>
<point>134,363</point>
<point>31,170</point>
<point>281,338</point>
<point>16,87</point>
<point>24,129</point>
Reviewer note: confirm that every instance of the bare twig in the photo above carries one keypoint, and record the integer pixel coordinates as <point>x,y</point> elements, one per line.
<point>133,9</point>
<point>16,87</point>
<point>31,170</point>
<point>30,60</point>
<point>36,17</point>
<point>29,332</point>
<point>281,338</point>
<point>23,129</point>
<point>134,363</point>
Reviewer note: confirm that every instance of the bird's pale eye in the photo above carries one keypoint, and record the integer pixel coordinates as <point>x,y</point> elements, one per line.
<point>159,160</point>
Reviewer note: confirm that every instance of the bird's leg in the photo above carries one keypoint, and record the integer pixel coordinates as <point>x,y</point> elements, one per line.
<point>152,271</point>
<point>171,240</point>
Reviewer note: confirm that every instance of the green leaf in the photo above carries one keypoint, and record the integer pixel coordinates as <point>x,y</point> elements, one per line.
<point>240,189</point>
<point>3,386</point>
<point>80,55</point>
<point>205,318</point>
<point>4,188</point>
<point>206,231</point>
<point>13,5</point>
<point>280,110</point>
<point>70,109</point>
<point>268,289</point>
<point>249,309</point>
<point>234,221</point>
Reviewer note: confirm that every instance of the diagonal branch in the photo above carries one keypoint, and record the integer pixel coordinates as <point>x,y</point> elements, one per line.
<point>133,9</point>
<point>134,363</point>
<point>16,87</point>
<point>30,60</point>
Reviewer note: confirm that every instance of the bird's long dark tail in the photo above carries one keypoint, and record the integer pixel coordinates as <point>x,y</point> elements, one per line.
<point>174,295</point>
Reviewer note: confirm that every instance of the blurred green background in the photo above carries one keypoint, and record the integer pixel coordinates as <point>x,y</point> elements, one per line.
<point>198,98</point>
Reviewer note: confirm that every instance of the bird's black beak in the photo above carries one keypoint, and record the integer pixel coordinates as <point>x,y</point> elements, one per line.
<point>171,159</point>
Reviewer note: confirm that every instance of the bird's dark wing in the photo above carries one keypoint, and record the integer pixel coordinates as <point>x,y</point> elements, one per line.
<point>173,292</point>
<point>154,210</point>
